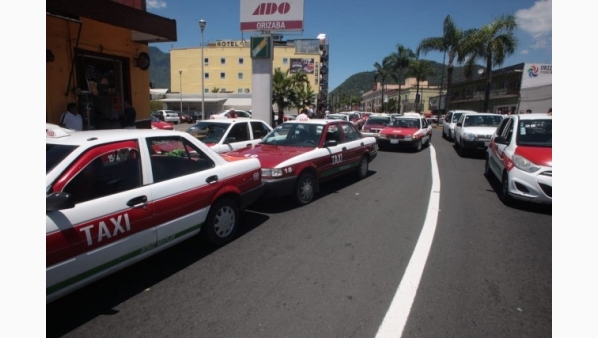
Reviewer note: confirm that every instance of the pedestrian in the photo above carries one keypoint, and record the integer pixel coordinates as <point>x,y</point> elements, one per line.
<point>522,111</point>
<point>129,116</point>
<point>550,111</point>
<point>529,111</point>
<point>303,116</point>
<point>71,118</point>
<point>232,114</point>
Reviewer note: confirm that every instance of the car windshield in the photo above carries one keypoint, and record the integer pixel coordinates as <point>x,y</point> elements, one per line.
<point>208,132</point>
<point>481,121</point>
<point>55,153</point>
<point>294,134</point>
<point>378,120</point>
<point>456,117</point>
<point>405,123</point>
<point>535,133</point>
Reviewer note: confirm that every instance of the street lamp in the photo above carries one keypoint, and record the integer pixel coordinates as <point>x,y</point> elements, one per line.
<point>181,87</point>
<point>202,25</point>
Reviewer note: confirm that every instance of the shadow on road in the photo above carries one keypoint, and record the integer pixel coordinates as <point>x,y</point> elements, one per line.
<point>519,205</point>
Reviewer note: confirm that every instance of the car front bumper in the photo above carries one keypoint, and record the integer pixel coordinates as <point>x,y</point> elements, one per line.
<point>279,186</point>
<point>398,142</point>
<point>532,187</point>
<point>477,145</point>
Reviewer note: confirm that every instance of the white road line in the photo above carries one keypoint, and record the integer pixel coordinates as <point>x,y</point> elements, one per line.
<point>396,317</point>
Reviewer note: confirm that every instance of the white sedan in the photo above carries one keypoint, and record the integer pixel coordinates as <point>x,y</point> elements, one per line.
<point>115,197</point>
<point>474,130</point>
<point>224,135</point>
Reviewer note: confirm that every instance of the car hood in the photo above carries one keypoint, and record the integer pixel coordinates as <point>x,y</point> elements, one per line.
<point>480,130</point>
<point>269,155</point>
<point>399,131</point>
<point>539,155</point>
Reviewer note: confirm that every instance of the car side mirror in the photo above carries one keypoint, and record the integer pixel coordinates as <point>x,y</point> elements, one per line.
<point>500,140</point>
<point>459,124</point>
<point>59,201</point>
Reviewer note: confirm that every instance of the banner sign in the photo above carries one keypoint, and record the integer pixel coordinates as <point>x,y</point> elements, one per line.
<point>306,66</point>
<point>536,74</point>
<point>311,46</point>
<point>264,15</point>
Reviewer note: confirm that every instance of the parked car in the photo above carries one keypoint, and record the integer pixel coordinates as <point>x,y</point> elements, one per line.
<point>298,156</point>
<point>374,124</point>
<point>186,118</point>
<point>115,197</point>
<point>338,116</point>
<point>410,130</point>
<point>450,120</point>
<point>157,124</point>
<point>224,135</point>
<point>474,130</point>
<point>169,116</point>
<point>226,114</point>
<point>520,157</point>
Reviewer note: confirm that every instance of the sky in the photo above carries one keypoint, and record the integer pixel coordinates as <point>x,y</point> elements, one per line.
<point>361,33</point>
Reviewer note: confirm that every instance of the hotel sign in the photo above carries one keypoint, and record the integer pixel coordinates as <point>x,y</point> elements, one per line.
<point>238,43</point>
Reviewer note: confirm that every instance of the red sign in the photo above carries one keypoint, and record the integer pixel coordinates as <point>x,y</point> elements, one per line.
<point>260,15</point>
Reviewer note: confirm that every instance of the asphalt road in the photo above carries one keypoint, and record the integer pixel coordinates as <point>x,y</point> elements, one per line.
<point>331,268</point>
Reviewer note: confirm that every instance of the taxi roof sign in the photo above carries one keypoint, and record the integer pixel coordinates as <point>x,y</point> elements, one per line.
<point>55,131</point>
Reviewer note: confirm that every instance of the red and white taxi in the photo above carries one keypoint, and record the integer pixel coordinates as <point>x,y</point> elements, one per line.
<point>299,155</point>
<point>224,135</point>
<point>520,156</point>
<point>410,129</point>
<point>374,124</point>
<point>114,197</point>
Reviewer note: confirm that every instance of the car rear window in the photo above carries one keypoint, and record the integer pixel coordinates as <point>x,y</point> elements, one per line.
<point>55,153</point>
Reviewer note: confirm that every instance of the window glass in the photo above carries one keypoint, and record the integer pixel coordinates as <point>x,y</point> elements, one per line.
<point>241,61</point>
<point>240,76</point>
<point>108,174</point>
<point>56,153</point>
<point>173,157</point>
<point>206,61</point>
<point>222,75</point>
<point>222,61</point>
<point>259,129</point>
<point>238,133</point>
<point>350,132</point>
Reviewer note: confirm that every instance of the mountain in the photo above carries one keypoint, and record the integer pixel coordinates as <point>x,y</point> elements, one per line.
<point>159,68</point>
<point>364,81</point>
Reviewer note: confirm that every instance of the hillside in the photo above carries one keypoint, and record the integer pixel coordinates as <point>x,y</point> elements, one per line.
<point>365,80</point>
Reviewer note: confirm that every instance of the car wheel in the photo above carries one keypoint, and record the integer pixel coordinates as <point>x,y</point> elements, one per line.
<point>487,171</point>
<point>461,150</point>
<point>222,222</point>
<point>362,170</point>
<point>504,189</point>
<point>304,189</point>
<point>443,134</point>
<point>419,145</point>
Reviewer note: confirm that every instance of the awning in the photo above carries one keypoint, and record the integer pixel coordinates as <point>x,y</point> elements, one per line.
<point>146,27</point>
<point>241,103</point>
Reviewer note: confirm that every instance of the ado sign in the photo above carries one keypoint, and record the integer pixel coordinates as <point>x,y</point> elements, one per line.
<point>263,15</point>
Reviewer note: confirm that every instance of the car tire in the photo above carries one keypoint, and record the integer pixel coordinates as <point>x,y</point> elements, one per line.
<point>304,190</point>
<point>504,189</point>
<point>444,136</point>
<point>419,145</point>
<point>363,168</point>
<point>487,171</point>
<point>461,150</point>
<point>222,222</point>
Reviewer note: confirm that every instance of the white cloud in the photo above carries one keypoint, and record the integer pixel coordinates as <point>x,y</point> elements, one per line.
<point>537,22</point>
<point>154,4</point>
<point>525,52</point>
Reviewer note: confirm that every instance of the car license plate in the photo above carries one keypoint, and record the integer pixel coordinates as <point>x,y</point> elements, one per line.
<point>486,144</point>
<point>394,141</point>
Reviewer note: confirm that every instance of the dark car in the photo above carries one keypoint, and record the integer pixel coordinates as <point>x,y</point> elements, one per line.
<point>185,118</point>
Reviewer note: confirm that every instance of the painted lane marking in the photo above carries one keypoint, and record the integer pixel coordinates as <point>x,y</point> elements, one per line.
<point>400,307</point>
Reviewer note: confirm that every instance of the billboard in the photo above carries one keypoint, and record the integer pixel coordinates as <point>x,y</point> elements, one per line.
<point>307,46</point>
<point>306,66</point>
<point>264,15</point>
<point>536,74</point>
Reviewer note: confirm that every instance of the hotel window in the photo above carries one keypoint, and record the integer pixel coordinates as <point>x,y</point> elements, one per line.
<point>285,61</point>
<point>240,90</point>
<point>241,61</point>
<point>240,76</point>
<point>223,75</point>
<point>246,90</point>
<point>206,75</point>
<point>206,90</point>
<point>222,61</point>
<point>206,61</point>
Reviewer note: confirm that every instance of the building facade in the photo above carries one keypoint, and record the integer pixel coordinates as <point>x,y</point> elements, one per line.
<point>96,56</point>
<point>410,93</point>
<point>227,76</point>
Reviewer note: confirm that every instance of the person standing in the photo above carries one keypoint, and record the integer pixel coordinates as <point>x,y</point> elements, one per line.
<point>528,111</point>
<point>303,116</point>
<point>129,116</point>
<point>71,118</point>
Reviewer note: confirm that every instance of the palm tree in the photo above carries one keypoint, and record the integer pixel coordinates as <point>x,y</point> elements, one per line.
<point>400,61</point>
<point>453,41</point>
<point>492,43</point>
<point>420,69</point>
<point>382,72</point>
<point>283,92</point>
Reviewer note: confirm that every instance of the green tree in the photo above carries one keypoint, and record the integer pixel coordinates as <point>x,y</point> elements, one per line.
<point>492,43</point>
<point>382,73</point>
<point>399,62</point>
<point>454,43</point>
<point>420,69</point>
<point>284,92</point>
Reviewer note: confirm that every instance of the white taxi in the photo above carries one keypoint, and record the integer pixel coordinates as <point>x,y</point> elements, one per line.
<point>473,132</point>
<point>297,156</point>
<point>114,197</point>
<point>520,156</point>
<point>224,135</point>
<point>410,130</point>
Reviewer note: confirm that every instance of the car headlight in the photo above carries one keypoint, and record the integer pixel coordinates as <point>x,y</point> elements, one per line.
<point>469,136</point>
<point>382,136</point>
<point>267,172</point>
<point>524,164</point>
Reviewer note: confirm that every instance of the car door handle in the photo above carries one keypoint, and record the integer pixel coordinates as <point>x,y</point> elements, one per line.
<point>362,144</point>
<point>344,148</point>
<point>212,179</point>
<point>137,202</point>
